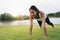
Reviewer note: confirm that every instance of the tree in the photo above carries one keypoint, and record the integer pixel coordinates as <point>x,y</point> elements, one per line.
<point>57,14</point>
<point>6,16</point>
<point>51,14</point>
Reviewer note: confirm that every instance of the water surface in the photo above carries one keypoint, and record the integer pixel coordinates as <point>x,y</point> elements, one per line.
<point>26,22</point>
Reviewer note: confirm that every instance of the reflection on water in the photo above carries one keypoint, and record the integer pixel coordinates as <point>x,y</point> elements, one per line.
<point>26,22</point>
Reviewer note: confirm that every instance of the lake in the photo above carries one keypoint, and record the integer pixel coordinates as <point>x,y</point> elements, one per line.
<point>26,22</point>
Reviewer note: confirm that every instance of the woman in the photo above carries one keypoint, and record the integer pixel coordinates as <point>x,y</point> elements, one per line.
<point>40,16</point>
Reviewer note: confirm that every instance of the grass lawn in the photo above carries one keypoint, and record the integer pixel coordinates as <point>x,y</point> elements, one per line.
<point>22,33</point>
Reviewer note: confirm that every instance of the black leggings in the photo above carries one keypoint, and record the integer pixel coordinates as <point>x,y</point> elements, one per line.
<point>47,21</point>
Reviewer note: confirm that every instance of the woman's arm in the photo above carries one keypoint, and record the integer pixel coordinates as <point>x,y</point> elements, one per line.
<point>43,22</point>
<point>43,18</point>
<point>31,24</point>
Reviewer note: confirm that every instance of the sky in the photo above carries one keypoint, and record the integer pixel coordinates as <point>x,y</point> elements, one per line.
<point>21,7</point>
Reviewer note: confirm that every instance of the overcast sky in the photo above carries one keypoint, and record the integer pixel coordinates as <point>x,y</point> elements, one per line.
<point>21,7</point>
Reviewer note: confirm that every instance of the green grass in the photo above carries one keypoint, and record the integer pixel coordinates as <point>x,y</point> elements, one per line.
<point>22,33</point>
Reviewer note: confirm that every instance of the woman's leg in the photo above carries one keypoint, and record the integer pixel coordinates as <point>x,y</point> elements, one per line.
<point>40,23</point>
<point>48,22</point>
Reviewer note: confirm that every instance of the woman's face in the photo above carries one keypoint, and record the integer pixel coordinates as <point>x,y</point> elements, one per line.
<point>32,12</point>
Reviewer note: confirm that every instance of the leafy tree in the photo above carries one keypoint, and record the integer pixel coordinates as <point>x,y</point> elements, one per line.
<point>51,14</point>
<point>57,14</point>
<point>6,16</point>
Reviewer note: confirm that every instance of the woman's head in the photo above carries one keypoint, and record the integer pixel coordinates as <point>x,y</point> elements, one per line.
<point>34,8</point>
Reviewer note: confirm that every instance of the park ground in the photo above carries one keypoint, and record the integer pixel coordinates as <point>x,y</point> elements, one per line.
<point>21,32</point>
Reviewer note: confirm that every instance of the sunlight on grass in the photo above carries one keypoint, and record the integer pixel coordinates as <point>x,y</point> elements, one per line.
<point>22,33</point>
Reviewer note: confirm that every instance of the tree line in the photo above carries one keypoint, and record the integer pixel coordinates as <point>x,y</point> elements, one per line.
<point>57,14</point>
<point>9,17</point>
